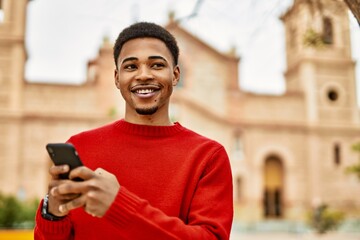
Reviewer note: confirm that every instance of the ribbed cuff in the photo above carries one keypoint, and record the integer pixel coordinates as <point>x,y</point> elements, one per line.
<point>47,227</point>
<point>124,208</point>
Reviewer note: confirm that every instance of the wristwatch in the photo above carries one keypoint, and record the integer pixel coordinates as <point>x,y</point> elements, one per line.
<point>44,211</point>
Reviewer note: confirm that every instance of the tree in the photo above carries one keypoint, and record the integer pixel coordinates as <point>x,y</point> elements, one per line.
<point>355,169</point>
<point>323,219</point>
<point>15,213</point>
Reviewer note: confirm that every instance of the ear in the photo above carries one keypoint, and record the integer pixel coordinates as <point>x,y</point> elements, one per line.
<point>116,78</point>
<point>176,75</point>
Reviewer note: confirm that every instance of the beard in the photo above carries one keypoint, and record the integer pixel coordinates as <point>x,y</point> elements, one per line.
<point>146,111</point>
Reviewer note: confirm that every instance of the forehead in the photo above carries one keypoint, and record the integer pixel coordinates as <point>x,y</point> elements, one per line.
<point>144,47</point>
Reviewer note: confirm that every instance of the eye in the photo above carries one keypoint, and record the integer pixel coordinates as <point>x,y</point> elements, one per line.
<point>130,67</point>
<point>158,65</point>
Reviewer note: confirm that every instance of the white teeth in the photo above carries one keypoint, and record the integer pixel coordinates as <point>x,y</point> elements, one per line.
<point>144,91</point>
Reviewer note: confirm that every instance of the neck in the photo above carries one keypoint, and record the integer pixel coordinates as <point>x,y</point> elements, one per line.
<point>152,120</point>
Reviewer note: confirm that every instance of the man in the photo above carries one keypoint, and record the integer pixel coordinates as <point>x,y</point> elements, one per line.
<point>144,176</point>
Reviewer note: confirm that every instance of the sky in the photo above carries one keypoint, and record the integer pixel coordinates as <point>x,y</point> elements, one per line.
<point>63,35</point>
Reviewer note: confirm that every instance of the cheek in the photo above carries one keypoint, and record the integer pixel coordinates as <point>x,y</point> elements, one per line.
<point>122,86</point>
<point>123,81</point>
<point>169,90</point>
<point>124,89</point>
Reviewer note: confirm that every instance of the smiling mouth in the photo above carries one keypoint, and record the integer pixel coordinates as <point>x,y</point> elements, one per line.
<point>145,91</point>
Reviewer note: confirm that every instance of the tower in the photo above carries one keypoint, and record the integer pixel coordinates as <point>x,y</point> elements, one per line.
<point>319,61</point>
<point>321,69</point>
<point>13,53</point>
<point>12,65</point>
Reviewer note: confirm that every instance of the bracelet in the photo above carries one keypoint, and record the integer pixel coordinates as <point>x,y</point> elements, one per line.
<point>44,211</point>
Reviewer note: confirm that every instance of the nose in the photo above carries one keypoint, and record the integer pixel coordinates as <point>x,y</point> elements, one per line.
<point>144,73</point>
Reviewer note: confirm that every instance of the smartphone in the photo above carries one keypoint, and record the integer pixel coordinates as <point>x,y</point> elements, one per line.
<point>64,153</point>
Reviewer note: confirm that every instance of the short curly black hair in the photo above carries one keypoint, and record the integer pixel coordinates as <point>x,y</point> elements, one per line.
<point>143,30</point>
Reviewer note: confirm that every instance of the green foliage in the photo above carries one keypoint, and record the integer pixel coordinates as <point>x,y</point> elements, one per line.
<point>17,214</point>
<point>356,147</point>
<point>313,39</point>
<point>355,169</point>
<point>323,219</point>
<point>112,112</point>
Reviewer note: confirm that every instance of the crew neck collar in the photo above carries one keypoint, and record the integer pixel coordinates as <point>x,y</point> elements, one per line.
<point>148,130</point>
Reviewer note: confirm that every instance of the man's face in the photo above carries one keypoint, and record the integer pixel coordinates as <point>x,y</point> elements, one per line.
<point>146,76</point>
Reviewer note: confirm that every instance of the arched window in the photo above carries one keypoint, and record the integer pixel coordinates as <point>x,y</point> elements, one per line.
<point>328,31</point>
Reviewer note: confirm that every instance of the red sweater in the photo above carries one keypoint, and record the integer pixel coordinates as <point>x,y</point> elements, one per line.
<point>175,184</point>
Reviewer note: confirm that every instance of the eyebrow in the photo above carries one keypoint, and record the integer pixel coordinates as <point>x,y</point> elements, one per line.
<point>150,57</point>
<point>129,59</point>
<point>157,57</point>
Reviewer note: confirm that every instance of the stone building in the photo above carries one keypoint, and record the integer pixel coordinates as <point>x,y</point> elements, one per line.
<point>287,152</point>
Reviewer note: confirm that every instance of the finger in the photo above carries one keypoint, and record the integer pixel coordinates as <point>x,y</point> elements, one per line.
<point>68,188</point>
<point>75,203</point>
<point>65,197</point>
<point>54,183</point>
<point>55,171</point>
<point>68,197</point>
<point>82,172</point>
<point>57,182</point>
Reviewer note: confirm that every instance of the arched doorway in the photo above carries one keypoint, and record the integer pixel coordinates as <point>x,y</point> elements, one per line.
<point>273,187</point>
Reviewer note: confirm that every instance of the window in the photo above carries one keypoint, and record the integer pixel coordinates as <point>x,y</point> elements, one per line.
<point>327,31</point>
<point>337,154</point>
<point>238,188</point>
<point>332,95</point>
<point>238,152</point>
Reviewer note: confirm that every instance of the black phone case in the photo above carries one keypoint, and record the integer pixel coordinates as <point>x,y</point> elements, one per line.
<point>64,153</point>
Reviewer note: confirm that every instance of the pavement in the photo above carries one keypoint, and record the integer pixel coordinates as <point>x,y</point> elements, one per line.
<point>287,230</point>
<point>293,236</point>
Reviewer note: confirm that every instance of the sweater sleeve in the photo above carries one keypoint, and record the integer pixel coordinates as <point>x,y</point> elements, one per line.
<point>210,214</point>
<point>56,230</point>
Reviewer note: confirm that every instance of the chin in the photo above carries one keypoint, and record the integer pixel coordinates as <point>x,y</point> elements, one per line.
<point>146,111</point>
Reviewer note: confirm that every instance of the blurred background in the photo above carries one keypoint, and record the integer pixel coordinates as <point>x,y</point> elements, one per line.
<point>276,82</point>
<point>253,28</point>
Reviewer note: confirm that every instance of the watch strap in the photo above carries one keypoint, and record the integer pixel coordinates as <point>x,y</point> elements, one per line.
<point>44,211</point>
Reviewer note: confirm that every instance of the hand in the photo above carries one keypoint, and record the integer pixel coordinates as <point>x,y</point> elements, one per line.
<point>56,201</point>
<point>97,191</point>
